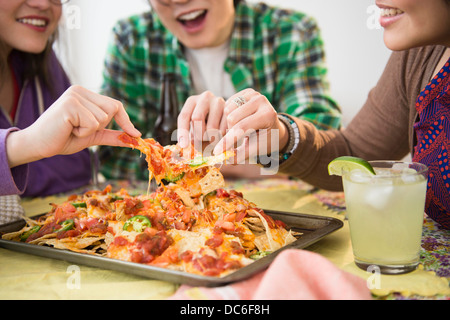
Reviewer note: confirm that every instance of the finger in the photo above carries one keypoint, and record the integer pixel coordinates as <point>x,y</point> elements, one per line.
<point>82,121</point>
<point>246,126</point>
<point>231,104</point>
<point>105,108</point>
<point>123,121</point>
<point>215,114</point>
<point>108,137</point>
<point>98,112</point>
<point>243,93</point>
<point>231,140</point>
<point>244,111</point>
<point>223,126</point>
<point>184,122</point>
<point>247,151</point>
<point>113,108</point>
<point>199,116</point>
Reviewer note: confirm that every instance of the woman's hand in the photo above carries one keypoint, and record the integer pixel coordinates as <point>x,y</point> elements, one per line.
<point>201,119</point>
<point>254,123</point>
<point>77,120</point>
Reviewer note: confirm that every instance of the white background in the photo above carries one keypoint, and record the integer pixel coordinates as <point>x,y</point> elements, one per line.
<point>356,55</point>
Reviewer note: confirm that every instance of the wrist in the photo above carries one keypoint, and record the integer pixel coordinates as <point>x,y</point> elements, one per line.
<point>17,150</point>
<point>293,137</point>
<point>284,135</point>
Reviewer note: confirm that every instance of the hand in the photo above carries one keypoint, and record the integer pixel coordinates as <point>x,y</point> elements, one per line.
<point>204,113</point>
<point>255,123</point>
<point>77,120</point>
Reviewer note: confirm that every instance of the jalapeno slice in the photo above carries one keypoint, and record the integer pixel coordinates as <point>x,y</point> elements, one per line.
<point>137,223</point>
<point>115,197</point>
<point>260,254</point>
<point>197,161</point>
<point>24,236</point>
<point>170,178</point>
<point>67,225</point>
<point>79,204</point>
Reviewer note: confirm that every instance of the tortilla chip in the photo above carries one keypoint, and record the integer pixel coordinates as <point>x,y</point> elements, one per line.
<point>43,239</point>
<point>188,240</point>
<point>273,239</point>
<point>16,234</point>
<point>120,212</point>
<point>212,181</point>
<point>254,224</point>
<point>185,196</point>
<point>73,244</point>
<point>213,160</point>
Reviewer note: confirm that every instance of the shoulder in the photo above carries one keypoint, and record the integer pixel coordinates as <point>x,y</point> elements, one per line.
<point>415,66</point>
<point>137,30</point>
<point>277,18</point>
<point>422,58</point>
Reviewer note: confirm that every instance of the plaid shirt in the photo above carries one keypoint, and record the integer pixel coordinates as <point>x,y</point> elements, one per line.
<point>277,52</point>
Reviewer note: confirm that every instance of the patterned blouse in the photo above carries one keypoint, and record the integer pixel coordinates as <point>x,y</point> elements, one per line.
<point>433,147</point>
<point>277,52</point>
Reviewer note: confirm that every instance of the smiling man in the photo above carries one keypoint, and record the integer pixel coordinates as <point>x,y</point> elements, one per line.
<point>216,48</point>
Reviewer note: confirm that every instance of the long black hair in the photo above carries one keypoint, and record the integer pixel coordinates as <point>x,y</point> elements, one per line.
<point>35,64</point>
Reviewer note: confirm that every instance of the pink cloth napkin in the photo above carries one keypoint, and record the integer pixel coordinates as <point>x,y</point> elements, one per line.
<point>293,275</point>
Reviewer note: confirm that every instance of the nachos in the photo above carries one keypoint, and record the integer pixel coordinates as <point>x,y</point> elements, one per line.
<point>190,223</point>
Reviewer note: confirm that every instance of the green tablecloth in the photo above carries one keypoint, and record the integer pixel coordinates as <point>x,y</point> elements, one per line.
<point>24,276</point>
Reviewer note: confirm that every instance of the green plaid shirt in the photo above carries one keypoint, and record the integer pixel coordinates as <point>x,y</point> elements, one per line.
<point>277,52</point>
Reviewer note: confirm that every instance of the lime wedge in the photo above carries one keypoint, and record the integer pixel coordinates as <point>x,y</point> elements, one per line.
<point>349,163</point>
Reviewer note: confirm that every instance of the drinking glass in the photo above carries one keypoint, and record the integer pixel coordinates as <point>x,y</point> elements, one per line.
<point>385,213</point>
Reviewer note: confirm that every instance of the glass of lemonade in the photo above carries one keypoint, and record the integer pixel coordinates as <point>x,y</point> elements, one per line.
<point>385,213</point>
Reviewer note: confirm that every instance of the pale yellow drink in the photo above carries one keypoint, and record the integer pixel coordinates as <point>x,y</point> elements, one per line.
<point>385,214</point>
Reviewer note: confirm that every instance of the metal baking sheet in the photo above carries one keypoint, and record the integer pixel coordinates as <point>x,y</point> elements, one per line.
<point>313,228</point>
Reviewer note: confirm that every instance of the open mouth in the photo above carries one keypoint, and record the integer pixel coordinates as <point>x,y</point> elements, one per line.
<point>34,22</point>
<point>192,19</point>
<point>390,12</point>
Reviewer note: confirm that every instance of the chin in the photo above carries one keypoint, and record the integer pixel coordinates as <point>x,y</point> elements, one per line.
<point>34,49</point>
<point>194,44</point>
<point>396,43</point>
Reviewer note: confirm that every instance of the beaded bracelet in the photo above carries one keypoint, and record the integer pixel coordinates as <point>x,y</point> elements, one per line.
<point>294,137</point>
<point>288,150</point>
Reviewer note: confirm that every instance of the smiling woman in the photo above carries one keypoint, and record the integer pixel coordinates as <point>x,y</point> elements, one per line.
<point>30,31</point>
<point>407,24</point>
<point>36,124</point>
<point>407,112</point>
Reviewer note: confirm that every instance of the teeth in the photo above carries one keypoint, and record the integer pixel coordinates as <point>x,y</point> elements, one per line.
<point>191,15</point>
<point>34,22</point>
<point>390,12</point>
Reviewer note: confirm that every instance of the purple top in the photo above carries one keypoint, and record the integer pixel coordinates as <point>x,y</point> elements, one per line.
<point>47,176</point>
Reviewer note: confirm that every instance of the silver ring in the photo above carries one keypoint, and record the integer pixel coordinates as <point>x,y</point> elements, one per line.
<point>239,101</point>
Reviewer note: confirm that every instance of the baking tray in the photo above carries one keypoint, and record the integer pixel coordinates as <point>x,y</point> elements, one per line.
<point>313,228</point>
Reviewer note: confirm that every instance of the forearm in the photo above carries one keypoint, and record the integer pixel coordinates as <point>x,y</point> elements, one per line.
<point>376,132</point>
<point>313,153</point>
<point>13,180</point>
<point>20,149</point>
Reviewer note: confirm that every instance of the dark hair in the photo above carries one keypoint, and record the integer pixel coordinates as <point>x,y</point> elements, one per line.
<point>35,64</point>
<point>236,2</point>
